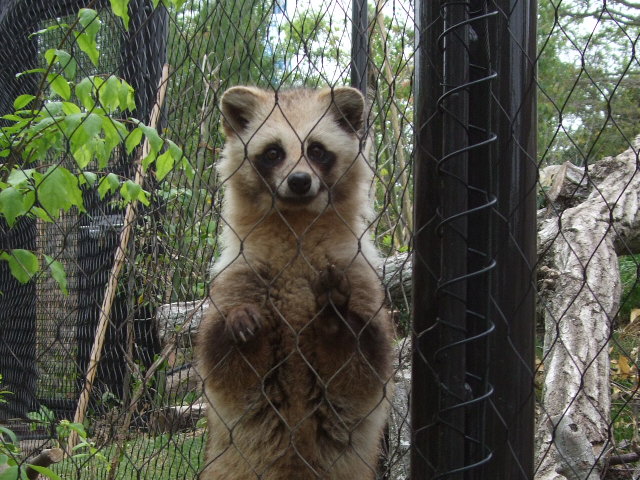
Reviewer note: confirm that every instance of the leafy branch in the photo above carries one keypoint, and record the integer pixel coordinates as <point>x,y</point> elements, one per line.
<point>81,125</point>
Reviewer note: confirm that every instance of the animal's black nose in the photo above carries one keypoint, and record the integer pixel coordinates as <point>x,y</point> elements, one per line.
<point>299,182</point>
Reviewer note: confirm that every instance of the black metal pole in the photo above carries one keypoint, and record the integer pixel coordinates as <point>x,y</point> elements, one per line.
<point>426,255</point>
<point>449,355</point>
<point>439,390</point>
<point>359,45</point>
<point>474,244</point>
<point>18,352</point>
<point>480,255</point>
<point>510,430</point>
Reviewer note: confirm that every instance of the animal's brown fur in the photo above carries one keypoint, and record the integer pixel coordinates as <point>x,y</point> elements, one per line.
<point>296,351</point>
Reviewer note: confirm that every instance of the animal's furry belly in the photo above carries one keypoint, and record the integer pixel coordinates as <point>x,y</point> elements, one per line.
<point>293,423</point>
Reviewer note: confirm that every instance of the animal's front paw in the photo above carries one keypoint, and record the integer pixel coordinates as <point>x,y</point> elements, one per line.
<point>332,287</point>
<point>244,322</point>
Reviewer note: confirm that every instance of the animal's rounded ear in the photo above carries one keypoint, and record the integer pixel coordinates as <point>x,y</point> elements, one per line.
<point>347,105</point>
<point>238,106</point>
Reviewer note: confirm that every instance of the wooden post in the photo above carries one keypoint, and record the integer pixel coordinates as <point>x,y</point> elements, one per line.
<point>120,257</point>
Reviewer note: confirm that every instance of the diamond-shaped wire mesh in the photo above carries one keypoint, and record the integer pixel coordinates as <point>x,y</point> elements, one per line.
<point>239,320</point>
<point>146,412</point>
<point>588,185</point>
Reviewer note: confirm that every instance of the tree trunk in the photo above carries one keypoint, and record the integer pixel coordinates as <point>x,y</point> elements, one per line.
<point>578,250</point>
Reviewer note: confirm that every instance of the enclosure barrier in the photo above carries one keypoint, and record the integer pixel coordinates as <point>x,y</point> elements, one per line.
<point>473,269</point>
<point>505,192</point>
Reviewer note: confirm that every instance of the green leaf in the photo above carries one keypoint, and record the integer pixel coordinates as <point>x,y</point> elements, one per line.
<point>107,184</point>
<point>126,97</point>
<point>92,124</point>
<point>90,178</point>
<point>42,124</point>
<point>52,109</point>
<point>58,273</point>
<point>143,198</point>
<point>41,214</point>
<point>83,155</point>
<point>90,21</point>
<point>58,190</point>
<point>133,139</point>
<point>22,101</point>
<point>113,182</point>
<point>89,47</point>
<point>177,3</point>
<point>132,192</point>
<point>97,146</point>
<point>122,130</point>
<point>10,473</point>
<point>71,129</point>
<point>47,472</point>
<point>19,176</point>
<point>14,118</point>
<point>149,159</point>
<point>164,164</point>
<point>112,137</point>
<point>13,204</point>
<point>59,85</point>
<point>31,71</point>
<point>9,433</point>
<point>51,57</point>
<point>23,264</point>
<point>121,9</point>
<point>152,135</point>
<point>70,108</point>
<point>84,91</point>
<point>68,63</point>
<point>109,92</point>
<point>86,38</point>
<point>175,150</point>
<point>49,29</point>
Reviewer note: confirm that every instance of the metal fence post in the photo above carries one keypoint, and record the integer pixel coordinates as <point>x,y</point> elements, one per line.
<point>17,300</point>
<point>474,250</point>
<point>510,429</point>
<point>426,265</point>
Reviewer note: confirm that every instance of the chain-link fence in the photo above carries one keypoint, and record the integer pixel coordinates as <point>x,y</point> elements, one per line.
<point>321,283</point>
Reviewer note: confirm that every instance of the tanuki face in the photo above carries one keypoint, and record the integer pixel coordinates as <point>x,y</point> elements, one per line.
<point>296,150</point>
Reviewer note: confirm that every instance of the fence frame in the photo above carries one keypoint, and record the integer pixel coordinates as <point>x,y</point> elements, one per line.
<point>475,230</point>
<point>474,240</point>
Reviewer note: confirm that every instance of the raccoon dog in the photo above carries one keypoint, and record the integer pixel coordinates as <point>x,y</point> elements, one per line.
<point>295,351</point>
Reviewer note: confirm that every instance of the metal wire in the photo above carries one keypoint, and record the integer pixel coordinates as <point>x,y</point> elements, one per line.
<point>450,89</point>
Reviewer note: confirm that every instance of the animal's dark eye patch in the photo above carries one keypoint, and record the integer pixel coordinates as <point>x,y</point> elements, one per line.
<point>271,156</point>
<point>318,154</point>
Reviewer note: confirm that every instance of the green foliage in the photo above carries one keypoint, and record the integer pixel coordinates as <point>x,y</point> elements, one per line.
<point>23,264</point>
<point>589,100</point>
<point>85,448</point>
<point>120,8</point>
<point>59,141</point>
<point>165,457</point>
<point>86,36</point>
<point>43,417</point>
<point>11,465</point>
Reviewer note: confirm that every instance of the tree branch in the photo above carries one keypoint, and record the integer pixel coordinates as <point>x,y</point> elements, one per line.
<point>45,459</point>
